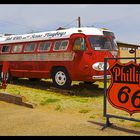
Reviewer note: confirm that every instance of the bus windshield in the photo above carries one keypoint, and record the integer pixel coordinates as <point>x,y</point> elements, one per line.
<point>103,43</point>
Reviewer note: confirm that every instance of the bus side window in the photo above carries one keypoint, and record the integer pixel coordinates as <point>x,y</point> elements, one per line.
<point>17,48</point>
<point>61,45</point>
<point>57,45</point>
<point>5,49</point>
<point>44,46</point>
<point>64,45</point>
<point>80,44</point>
<point>30,47</point>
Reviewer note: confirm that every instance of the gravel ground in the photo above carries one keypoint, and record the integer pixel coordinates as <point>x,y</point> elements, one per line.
<point>18,120</point>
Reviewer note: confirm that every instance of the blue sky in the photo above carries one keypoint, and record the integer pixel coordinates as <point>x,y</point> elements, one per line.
<point>122,19</point>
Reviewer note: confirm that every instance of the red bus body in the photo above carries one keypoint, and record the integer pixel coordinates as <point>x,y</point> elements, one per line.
<point>56,55</point>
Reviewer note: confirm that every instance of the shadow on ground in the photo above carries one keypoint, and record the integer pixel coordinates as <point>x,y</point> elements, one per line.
<point>80,89</point>
<point>116,128</point>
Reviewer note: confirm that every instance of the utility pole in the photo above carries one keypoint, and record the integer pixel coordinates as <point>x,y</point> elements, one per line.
<point>79,22</point>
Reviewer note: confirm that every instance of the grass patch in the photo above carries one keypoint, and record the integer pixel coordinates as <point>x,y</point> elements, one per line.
<point>92,117</point>
<point>81,100</point>
<point>59,107</point>
<point>40,93</point>
<point>49,100</point>
<point>103,118</point>
<point>121,120</point>
<point>84,111</point>
<point>137,124</point>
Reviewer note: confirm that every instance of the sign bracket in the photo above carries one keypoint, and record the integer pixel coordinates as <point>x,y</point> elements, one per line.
<point>108,124</point>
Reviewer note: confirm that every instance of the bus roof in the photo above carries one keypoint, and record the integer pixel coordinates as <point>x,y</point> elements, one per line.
<point>58,34</point>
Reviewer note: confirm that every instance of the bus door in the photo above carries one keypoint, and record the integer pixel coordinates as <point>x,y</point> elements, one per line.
<point>82,57</point>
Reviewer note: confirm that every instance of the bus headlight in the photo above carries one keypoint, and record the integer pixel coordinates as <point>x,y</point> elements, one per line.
<point>99,66</point>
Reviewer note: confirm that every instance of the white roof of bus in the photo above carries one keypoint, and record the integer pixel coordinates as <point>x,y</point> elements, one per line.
<point>2,38</point>
<point>65,33</point>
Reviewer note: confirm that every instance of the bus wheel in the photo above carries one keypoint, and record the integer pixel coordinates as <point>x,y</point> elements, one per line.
<point>61,78</point>
<point>34,79</point>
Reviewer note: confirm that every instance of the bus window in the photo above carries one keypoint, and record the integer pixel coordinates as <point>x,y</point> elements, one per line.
<point>17,48</point>
<point>57,45</point>
<point>80,44</point>
<point>30,47</point>
<point>64,45</point>
<point>102,43</point>
<point>61,45</point>
<point>44,46</point>
<point>5,49</point>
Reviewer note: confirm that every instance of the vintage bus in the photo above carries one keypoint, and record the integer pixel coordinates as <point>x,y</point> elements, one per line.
<point>65,55</point>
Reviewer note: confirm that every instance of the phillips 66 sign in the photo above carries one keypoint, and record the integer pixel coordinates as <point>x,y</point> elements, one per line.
<point>124,90</point>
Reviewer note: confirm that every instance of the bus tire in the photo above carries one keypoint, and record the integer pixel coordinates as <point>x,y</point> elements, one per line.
<point>61,78</point>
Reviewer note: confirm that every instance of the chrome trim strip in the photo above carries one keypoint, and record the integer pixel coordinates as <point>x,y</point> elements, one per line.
<point>101,77</point>
<point>61,56</point>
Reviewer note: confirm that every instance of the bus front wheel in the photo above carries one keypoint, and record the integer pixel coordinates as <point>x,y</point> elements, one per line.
<point>61,78</point>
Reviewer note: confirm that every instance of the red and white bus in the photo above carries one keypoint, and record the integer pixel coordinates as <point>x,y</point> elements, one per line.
<point>66,55</point>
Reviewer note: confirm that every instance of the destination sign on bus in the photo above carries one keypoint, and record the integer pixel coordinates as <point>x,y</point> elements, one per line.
<point>33,36</point>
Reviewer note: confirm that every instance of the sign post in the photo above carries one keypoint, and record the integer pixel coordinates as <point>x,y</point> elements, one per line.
<point>124,90</point>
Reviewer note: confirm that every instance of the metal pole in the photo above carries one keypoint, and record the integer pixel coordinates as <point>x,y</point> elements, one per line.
<point>79,22</point>
<point>135,55</point>
<point>105,86</point>
<point>105,89</point>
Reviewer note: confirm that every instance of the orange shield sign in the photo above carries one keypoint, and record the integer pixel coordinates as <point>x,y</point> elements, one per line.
<point>124,90</point>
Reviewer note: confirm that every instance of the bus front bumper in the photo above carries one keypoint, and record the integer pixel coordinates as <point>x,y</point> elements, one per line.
<point>100,77</point>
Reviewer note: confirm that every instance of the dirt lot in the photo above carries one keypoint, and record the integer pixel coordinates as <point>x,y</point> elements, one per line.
<point>19,120</point>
